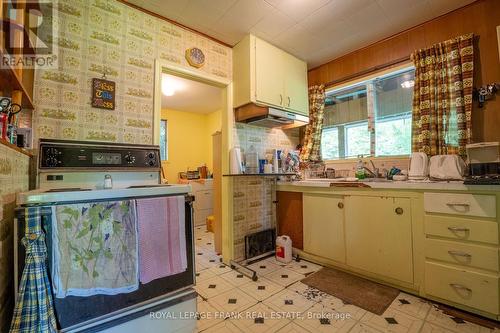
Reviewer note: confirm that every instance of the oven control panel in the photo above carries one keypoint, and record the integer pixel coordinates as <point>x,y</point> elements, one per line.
<point>72,154</point>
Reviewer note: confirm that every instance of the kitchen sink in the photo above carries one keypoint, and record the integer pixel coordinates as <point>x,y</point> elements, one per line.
<point>376,180</point>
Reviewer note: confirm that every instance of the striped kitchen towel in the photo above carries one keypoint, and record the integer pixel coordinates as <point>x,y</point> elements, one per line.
<point>162,237</point>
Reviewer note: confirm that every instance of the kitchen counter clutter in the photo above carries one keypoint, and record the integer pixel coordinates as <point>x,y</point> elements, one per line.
<point>438,240</point>
<point>395,185</point>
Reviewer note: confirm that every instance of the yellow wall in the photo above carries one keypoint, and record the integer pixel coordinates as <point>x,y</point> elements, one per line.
<point>189,140</point>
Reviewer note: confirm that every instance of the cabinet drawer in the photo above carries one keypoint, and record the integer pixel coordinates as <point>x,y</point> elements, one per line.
<point>203,199</point>
<point>461,204</point>
<point>462,254</point>
<point>462,228</point>
<point>479,291</point>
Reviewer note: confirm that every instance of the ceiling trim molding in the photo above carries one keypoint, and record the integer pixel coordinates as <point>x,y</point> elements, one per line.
<point>173,22</point>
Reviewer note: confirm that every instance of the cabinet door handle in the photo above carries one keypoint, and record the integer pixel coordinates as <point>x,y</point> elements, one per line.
<point>459,286</point>
<point>459,253</point>
<point>457,204</point>
<point>399,211</point>
<point>340,205</point>
<point>281,99</point>
<point>289,100</point>
<point>456,229</point>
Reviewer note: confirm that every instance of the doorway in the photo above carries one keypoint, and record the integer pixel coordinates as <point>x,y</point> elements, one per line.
<point>192,128</point>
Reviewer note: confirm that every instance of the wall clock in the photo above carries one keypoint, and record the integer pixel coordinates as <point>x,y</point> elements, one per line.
<point>195,57</point>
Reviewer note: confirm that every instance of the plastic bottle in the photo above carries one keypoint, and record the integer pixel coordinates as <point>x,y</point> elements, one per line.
<point>360,169</point>
<point>252,160</point>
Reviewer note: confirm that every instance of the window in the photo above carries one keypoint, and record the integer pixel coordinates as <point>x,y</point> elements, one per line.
<point>163,140</point>
<point>346,125</point>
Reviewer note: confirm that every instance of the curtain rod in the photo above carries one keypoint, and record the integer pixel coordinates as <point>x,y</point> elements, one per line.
<point>368,71</point>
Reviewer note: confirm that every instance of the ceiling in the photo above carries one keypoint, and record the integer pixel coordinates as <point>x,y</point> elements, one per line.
<point>189,95</point>
<point>314,30</point>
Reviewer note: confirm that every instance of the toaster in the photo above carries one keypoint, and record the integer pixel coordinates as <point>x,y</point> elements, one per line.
<point>419,166</point>
<point>447,167</point>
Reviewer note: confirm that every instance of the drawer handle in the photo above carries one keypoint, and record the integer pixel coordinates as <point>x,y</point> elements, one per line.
<point>459,253</point>
<point>281,99</point>
<point>457,204</point>
<point>340,205</point>
<point>459,286</point>
<point>456,229</point>
<point>399,211</point>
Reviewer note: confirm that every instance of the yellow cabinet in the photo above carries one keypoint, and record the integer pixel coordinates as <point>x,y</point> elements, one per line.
<point>268,76</point>
<point>324,226</point>
<point>379,236</point>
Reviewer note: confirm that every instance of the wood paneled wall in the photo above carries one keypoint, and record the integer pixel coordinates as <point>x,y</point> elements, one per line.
<point>481,17</point>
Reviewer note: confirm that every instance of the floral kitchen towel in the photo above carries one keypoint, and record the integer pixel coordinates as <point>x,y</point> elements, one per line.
<point>95,249</point>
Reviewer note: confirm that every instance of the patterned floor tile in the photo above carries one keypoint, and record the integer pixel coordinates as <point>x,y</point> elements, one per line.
<point>289,301</point>
<point>338,305</point>
<point>323,320</point>
<point>293,328</point>
<point>260,318</point>
<point>438,318</point>
<point>392,321</point>
<point>303,267</point>
<point>235,278</point>
<point>224,327</point>
<point>207,315</point>
<point>204,274</point>
<point>261,289</point>
<point>220,269</point>
<point>212,287</point>
<point>362,328</point>
<point>411,305</point>
<point>308,292</point>
<point>284,277</point>
<point>263,267</point>
<point>430,328</point>
<point>232,301</point>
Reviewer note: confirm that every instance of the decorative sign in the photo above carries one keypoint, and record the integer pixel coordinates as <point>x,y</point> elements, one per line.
<point>103,94</point>
<point>195,57</point>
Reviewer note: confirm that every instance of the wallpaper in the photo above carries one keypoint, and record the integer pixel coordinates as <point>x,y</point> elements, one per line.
<point>98,36</point>
<point>14,178</point>
<point>253,210</point>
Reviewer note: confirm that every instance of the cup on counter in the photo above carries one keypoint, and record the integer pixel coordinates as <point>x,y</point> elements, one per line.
<point>268,168</point>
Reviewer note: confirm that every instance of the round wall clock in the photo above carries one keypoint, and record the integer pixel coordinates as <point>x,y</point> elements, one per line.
<point>195,57</point>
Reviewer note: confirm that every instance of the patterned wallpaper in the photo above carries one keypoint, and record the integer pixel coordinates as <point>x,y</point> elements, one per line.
<point>253,210</point>
<point>14,178</point>
<point>106,35</point>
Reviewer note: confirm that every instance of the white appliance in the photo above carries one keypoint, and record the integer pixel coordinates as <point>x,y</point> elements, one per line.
<point>74,172</point>
<point>446,167</point>
<point>419,166</point>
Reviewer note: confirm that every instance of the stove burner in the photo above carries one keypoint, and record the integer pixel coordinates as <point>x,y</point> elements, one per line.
<point>71,189</point>
<point>492,179</point>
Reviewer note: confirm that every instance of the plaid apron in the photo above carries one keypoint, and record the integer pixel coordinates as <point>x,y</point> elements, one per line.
<point>34,312</point>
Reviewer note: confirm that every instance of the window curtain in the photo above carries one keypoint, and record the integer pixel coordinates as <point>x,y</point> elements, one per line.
<point>311,149</point>
<point>443,90</point>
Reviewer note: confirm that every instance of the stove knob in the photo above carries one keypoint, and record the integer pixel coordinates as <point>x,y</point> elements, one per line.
<point>51,162</point>
<point>151,163</point>
<point>129,158</point>
<point>151,155</point>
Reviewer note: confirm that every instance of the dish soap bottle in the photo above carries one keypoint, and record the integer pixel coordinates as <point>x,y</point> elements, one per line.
<point>360,168</point>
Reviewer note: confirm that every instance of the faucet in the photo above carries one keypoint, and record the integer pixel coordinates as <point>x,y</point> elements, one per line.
<point>375,172</point>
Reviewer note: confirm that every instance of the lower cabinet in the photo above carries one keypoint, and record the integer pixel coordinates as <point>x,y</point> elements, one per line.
<point>324,226</point>
<point>289,216</point>
<point>379,236</point>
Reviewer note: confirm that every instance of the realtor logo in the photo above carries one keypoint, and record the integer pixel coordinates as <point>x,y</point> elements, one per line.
<point>30,34</point>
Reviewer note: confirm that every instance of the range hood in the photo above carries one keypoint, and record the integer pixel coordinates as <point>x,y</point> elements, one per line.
<point>269,117</point>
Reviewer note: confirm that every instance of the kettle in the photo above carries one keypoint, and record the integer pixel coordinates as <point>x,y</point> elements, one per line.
<point>419,166</point>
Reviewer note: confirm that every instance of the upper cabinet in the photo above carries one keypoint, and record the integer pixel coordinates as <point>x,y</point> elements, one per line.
<point>268,76</point>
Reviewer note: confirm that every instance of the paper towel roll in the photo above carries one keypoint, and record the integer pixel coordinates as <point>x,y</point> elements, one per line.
<point>235,165</point>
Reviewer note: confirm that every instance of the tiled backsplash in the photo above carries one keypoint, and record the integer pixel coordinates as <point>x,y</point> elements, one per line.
<point>263,139</point>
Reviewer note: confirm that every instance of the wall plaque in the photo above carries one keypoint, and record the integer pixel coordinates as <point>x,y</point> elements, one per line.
<point>195,57</point>
<point>103,94</point>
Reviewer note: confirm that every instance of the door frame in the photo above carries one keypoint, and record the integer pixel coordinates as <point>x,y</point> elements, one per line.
<point>227,121</point>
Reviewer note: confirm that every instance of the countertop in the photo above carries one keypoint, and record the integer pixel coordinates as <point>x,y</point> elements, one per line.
<point>396,185</point>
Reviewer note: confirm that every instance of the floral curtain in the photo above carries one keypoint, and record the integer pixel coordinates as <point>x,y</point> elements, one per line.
<point>442,100</point>
<point>311,149</point>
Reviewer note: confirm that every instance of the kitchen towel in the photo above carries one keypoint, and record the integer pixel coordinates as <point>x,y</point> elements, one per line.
<point>95,249</point>
<point>162,237</point>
